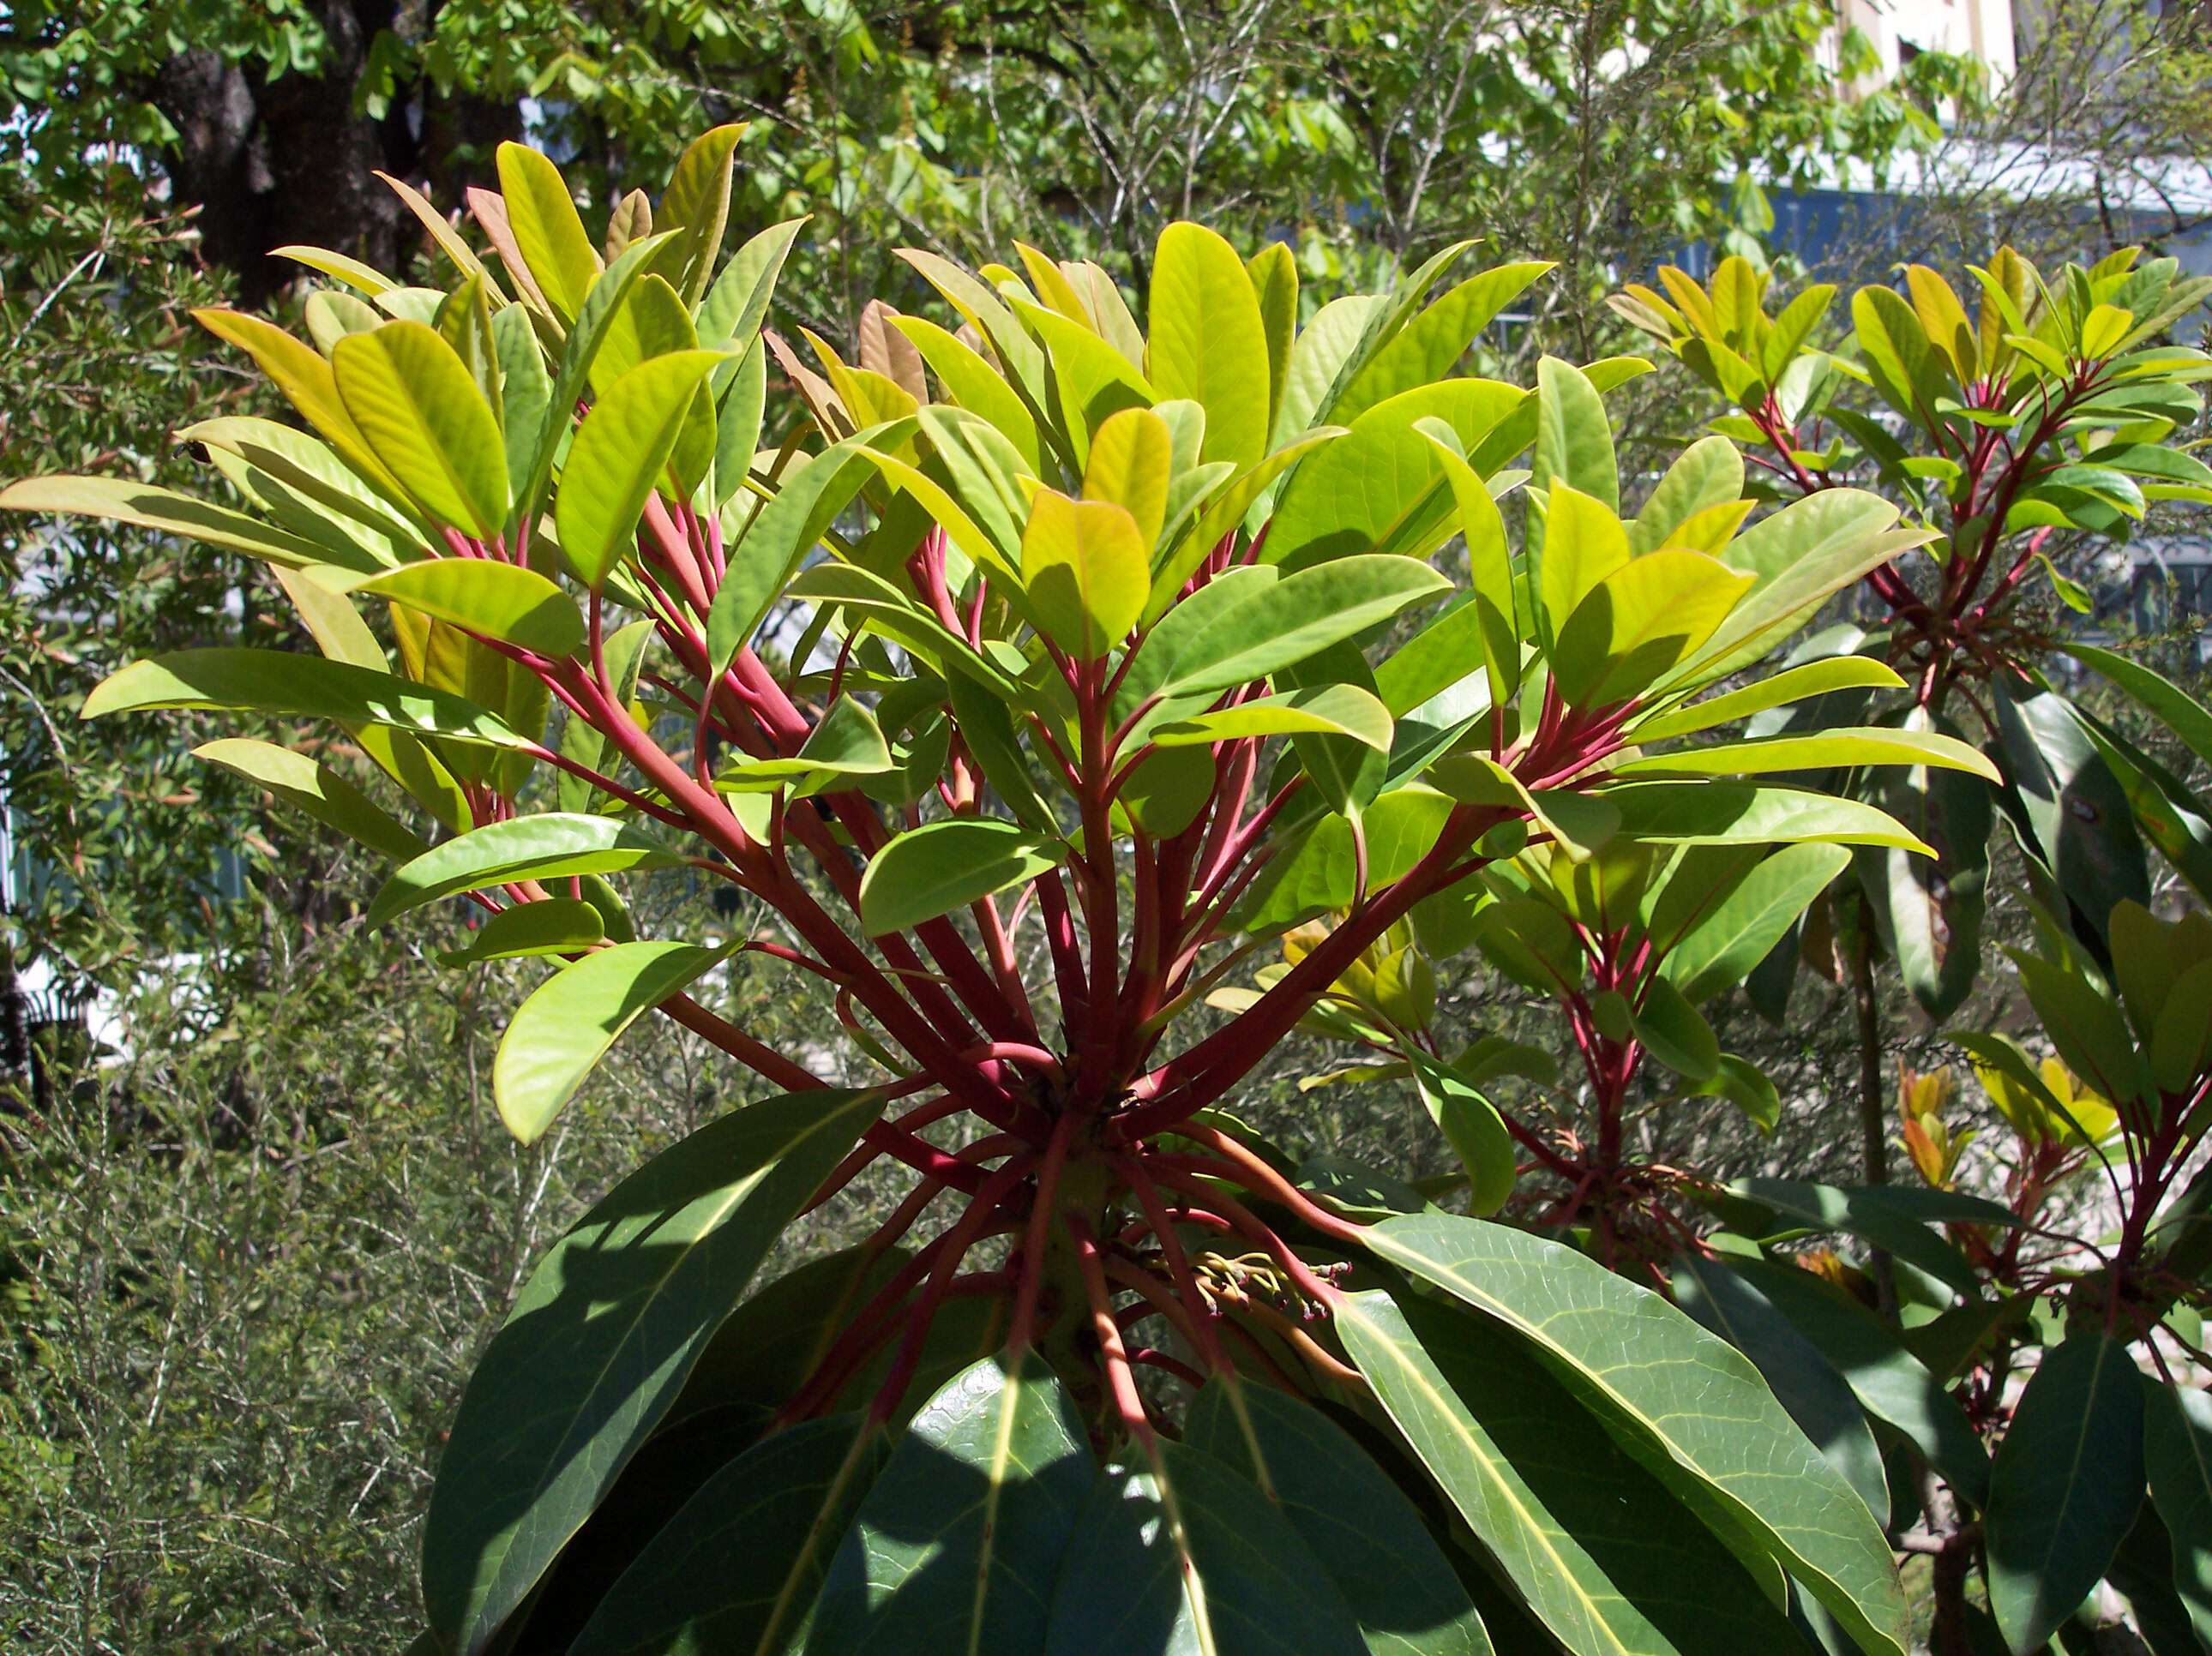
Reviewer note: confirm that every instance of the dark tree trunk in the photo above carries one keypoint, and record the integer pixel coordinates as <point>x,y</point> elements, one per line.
<point>274,162</point>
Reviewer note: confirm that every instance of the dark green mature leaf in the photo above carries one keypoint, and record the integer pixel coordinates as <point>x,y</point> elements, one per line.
<point>1930,911</point>
<point>1806,1384</point>
<point>1367,1536</point>
<point>1690,1407</point>
<point>599,1342</point>
<point>551,845</point>
<point>2064,1485</point>
<point>1893,1384</point>
<point>2175,707</point>
<point>942,866</point>
<point>1892,1217</point>
<point>738,1568</point>
<point>295,686</point>
<point>2178,1453</point>
<point>1190,1558</point>
<point>559,1034</point>
<point>2069,809</point>
<point>1604,1554</point>
<point>955,1546</point>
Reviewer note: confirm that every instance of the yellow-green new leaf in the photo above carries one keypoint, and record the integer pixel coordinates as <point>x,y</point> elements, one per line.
<point>1088,569</point>
<point>1209,342</point>
<point>551,237</point>
<point>419,408</point>
<point>1817,750</point>
<point>1638,622</point>
<point>503,601</point>
<point>316,789</point>
<point>561,1033</point>
<point>1324,710</point>
<point>1131,457</point>
<point>1584,541</point>
<point>618,457</point>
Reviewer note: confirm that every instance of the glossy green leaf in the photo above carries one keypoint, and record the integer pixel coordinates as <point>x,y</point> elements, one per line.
<point>1574,437</point>
<point>1471,1123</point>
<point>502,601</point>
<point>561,1031</point>
<point>599,1342</point>
<point>1675,1032</point>
<point>2064,1485</point>
<point>1736,814</point>
<point>297,686</point>
<point>1601,1554</point>
<point>1693,1410</point>
<point>1798,683</point>
<point>1367,1535</point>
<point>1403,827</point>
<point>419,409</point>
<point>2087,1028</point>
<point>1930,911</point>
<point>2180,713</point>
<point>543,846</point>
<point>618,457</point>
<point>1331,709</point>
<point>1208,342</point>
<point>954,1547</point>
<point>736,305</point>
<point>1190,1558</point>
<point>314,788</point>
<point>552,926</point>
<point>2067,807</point>
<point>1253,622</point>
<point>738,1568</point>
<point>1428,348</point>
<point>1719,951</point>
<point>1707,474</point>
<point>945,865</point>
<point>1817,750</point>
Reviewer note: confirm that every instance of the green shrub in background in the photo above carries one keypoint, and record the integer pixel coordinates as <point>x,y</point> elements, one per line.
<point>1095,692</point>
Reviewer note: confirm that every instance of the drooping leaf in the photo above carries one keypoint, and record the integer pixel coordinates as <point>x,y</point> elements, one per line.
<point>1735,814</point>
<point>558,1035</point>
<point>146,506</point>
<point>1735,934</point>
<point>955,1546</point>
<point>2064,1485</point>
<point>542,845</point>
<point>297,686</point>
<point>2177,1453</point>
<point>552,926</point>
<point>1693,1410</point>
<point>1474,1128</point>
<point>1367,1535</point>
<point>1892,1217</point>
<point>316,789</point>
<point>1892,1384</point>
<point>945,865</point>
